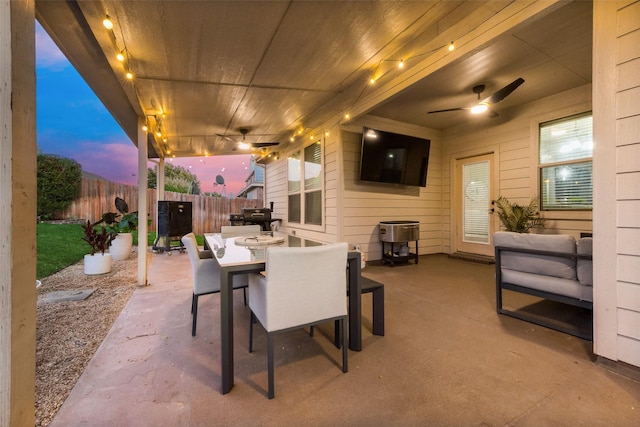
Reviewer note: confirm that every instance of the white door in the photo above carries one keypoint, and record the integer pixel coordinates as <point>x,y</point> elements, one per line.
<point>474,223</point>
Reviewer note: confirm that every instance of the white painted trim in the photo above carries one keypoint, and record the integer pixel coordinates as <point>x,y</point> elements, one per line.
<point>605,324</point>
<point>142,203</point>
<point>494,173</point>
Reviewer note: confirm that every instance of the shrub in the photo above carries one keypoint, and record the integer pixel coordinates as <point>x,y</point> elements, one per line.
<point>59,180</point>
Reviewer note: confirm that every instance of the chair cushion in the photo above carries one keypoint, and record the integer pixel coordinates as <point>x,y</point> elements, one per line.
<point>538,264</point>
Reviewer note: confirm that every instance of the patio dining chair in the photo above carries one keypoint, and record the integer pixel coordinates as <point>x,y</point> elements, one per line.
<point>239,230</point>
<point>206,275</point>
<point>303,286</point>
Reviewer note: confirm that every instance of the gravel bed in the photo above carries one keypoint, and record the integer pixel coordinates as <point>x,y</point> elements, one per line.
<point>69,333</point>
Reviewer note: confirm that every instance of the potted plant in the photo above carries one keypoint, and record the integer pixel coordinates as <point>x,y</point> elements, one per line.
<point>516,218</point>
<point>121,228</point>
<point>99,239</point>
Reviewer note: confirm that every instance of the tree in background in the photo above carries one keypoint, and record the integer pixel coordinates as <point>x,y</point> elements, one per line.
<point>176,178</point>
<point>59,180</point>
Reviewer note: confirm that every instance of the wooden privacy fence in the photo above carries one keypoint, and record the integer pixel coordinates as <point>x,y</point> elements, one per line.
<point>209,213</point>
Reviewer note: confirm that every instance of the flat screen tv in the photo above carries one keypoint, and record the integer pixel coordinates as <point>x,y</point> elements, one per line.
<point>393,158</point>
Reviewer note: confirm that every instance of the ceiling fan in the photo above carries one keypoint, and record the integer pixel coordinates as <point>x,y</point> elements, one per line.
<point>485,104</point>
<point>243,145</point>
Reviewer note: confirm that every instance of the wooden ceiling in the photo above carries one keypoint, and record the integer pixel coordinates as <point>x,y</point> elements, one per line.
<point>204,70</point>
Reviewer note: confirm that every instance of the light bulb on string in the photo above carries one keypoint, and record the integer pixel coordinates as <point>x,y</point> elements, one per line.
<point>108,23</point>
<point>401,64</point>
<point>120,56</point>
<point>451,47</point>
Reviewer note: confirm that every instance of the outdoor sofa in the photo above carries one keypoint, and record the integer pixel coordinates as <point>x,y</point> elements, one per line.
<point>551,266</point>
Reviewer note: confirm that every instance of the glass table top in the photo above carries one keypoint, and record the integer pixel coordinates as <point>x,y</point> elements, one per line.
<point>228,252</point>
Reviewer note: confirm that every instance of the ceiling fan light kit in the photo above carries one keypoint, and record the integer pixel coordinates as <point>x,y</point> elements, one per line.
<point>479,109</point>
<point>244,145</point>
<point>485,104</point>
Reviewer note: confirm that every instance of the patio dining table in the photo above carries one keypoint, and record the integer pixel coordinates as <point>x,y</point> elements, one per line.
<point>242,259</point>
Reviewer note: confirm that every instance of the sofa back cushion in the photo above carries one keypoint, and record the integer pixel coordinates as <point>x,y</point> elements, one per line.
<point>585,266</point>
<point>555,266</point>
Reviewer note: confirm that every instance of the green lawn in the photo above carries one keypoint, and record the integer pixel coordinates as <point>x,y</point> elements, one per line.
<point>60,245</point>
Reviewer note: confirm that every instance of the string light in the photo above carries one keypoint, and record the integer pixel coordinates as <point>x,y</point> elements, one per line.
<point>145,128</point>
<point>120,56</point>
<point>108,23</point>
<point>347,116</point>
<point>129,75</point>
<point>451,47</point>
<point>401,64</point>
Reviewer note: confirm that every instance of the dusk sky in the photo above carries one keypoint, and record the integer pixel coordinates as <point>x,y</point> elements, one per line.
<point>72,122</point>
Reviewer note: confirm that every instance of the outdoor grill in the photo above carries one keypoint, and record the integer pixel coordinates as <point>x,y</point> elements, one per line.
<point>236,219</point>
<point>259,216</point>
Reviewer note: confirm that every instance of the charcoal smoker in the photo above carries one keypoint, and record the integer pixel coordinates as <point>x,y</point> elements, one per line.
<point>174,221</point>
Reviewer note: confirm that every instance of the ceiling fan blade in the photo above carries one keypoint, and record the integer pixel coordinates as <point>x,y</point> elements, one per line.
<point>447,110</point>
<point>504,92</point>
<point>225,137</point>
<point>263,144</point>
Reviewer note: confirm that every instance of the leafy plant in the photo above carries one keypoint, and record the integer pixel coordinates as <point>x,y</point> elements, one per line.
<point>126,224</point>
<point>59,181</point>
<point>517,218</point>
<point>98,238</point>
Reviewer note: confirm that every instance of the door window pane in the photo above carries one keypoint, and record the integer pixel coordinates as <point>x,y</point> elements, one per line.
<point>475,177</point>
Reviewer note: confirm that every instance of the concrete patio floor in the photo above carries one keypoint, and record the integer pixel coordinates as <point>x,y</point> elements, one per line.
<point>447,359</point>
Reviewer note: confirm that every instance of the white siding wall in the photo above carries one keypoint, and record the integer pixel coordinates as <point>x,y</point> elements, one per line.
<point>513,138</point>
<point>364,205</point>
<point>276,189</point>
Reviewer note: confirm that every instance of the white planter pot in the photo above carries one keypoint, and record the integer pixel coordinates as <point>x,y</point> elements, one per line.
<point>121,246</point>
<point>97,264</point>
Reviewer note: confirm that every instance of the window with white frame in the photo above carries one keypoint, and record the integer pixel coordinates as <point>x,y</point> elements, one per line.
<point>565,163</point>
<point>304,176</point>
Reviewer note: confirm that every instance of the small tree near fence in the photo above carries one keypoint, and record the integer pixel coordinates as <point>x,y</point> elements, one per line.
<point>59,181</point>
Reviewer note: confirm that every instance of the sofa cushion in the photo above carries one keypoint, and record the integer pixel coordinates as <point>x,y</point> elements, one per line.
<point>538,264</point>
<point>554,285</point>
<point>585,266</point>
